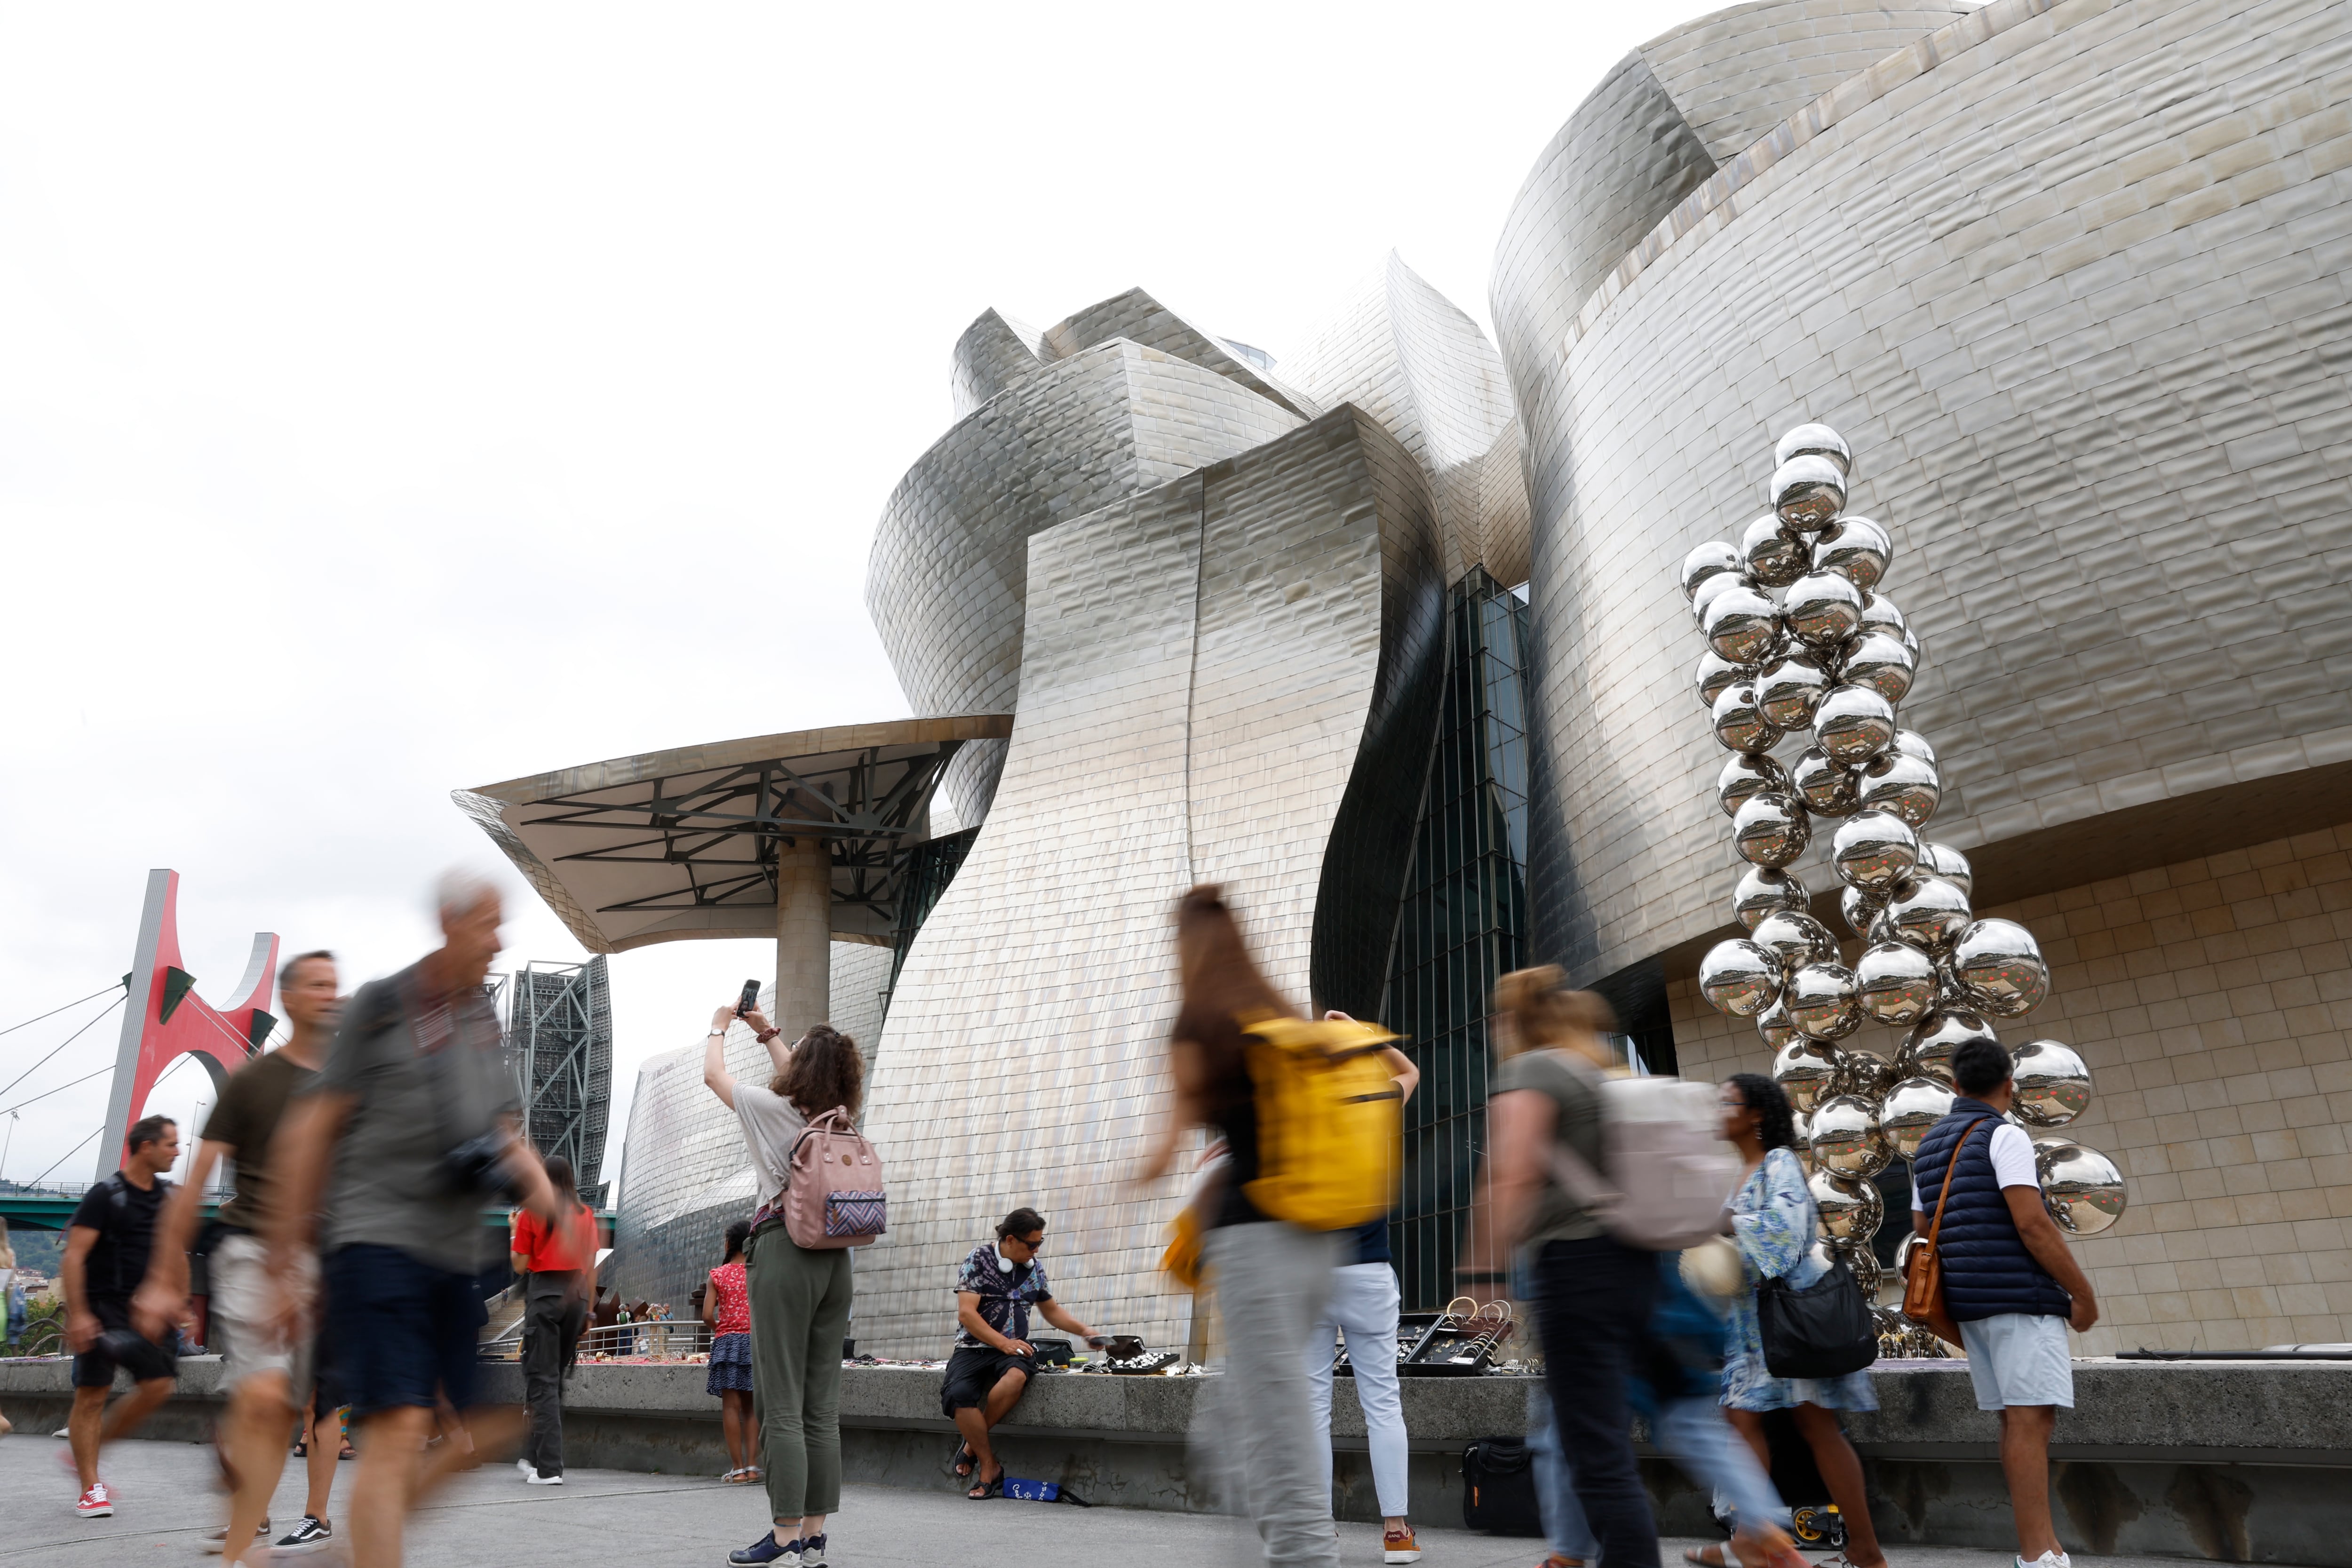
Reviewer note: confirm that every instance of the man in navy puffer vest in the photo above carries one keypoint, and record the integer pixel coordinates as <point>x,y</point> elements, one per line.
<point>2008,1281</point>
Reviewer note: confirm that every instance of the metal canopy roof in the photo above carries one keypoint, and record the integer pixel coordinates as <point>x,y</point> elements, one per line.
<point>682,844</point>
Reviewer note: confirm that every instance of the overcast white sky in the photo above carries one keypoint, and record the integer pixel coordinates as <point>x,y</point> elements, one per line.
<point>401,398</point>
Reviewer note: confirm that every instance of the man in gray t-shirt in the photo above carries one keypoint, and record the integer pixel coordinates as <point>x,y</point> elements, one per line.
<point>409,1135</point>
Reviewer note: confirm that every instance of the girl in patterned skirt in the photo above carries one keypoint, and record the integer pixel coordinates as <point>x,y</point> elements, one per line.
<point>727,1307</point>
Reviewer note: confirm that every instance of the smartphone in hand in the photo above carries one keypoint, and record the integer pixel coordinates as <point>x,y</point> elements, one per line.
<point>750,999</point>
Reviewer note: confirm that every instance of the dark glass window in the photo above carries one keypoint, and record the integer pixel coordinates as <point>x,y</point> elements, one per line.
<point>1462,926</point>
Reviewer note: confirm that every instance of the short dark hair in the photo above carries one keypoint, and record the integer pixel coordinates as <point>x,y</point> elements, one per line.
<point>149,1129</point>
<point>286,975</point>
<point>1776,1123</point>
<point>737,1235</point>
<point>1980,1067</point>
<point>1020,1222</point>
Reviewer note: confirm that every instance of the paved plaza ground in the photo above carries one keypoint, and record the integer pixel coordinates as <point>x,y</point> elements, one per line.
<point>490,1519</point>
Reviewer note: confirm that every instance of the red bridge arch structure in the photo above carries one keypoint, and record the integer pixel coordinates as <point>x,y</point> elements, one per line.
<point>166,1020</point>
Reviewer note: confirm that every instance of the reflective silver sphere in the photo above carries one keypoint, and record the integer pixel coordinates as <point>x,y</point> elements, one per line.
<point>1805,1070</point>
<point>1827,789</point>
<point>1858,909</point>
<point>1716,675</point>
<point>2053,1084</point>
<point>1738,977</point>
<point>1808,492</point>
<point>1948,863</point>
<point>1745,775</point>
<point>1709,560</point>
<point>1930,913</point>
<point>1743,624</point>
<point>1739,723</point>
<point>1775,557</point>
<point>1853,724</point>
<point>1821,609</point>
<point>1880,614</point>
<point>1896,984</point>
<point>1821,1001</point>
<point>1764,888</point>
<point>1855,548</point>
<point>1795,938</point>
<point>1874,850</point>
<point>1864,1074</point>
<point>1711,587</point>
<point>1912,743</point>
<point>1867,1274</point>
<point>1813,441</point>
<point>1770,830</point>
<point>1881,663</point>
<point>1911,1107</point>
<point>1846,1139</point>
<point>2081,1188</point>
<point>2000,967</point>
<point>1851,1209</point>
<point>1776,1027</point>
<point>1903,785</point>
<point>1928,1049</point>
<point>1791,688</point>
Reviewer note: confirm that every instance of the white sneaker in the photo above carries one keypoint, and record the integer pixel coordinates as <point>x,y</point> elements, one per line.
<point>523,1469</point>
<point>2047,1560</point>
<point>535,1479</point>
<point>218,1539</point>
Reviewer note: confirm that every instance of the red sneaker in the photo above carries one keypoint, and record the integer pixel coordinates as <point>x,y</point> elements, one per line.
<point>97,1502</point>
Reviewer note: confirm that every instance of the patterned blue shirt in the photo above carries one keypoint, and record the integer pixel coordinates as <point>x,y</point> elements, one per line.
<point>1004,1298</point>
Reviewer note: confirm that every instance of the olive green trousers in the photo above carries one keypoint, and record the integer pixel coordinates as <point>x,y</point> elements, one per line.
<point>800,1315</point>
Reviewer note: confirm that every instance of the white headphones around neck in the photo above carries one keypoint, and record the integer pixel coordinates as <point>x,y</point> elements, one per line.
<point>1003,1264</point>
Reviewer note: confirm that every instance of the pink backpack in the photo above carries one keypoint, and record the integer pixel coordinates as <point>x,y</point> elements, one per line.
<point>835,1195</point>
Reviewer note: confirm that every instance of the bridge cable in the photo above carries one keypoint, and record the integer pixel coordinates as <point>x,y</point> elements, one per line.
<point>68,1154</point>
<point>55,1011</point>
<point>68,1040</point>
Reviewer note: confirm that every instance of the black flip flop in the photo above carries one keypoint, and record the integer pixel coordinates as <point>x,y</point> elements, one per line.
<point>962,1459</point>
<point>983,1490</point>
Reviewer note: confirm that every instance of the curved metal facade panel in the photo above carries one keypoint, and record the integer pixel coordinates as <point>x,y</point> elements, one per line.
<point>1199,665</point>
<point>2072,281</point>
<point>950,563</point>
<point>1409,357</point>
<point>1736,74</point>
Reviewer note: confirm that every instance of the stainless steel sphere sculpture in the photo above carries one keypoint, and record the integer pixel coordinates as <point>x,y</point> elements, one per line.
<point>1825,666</point>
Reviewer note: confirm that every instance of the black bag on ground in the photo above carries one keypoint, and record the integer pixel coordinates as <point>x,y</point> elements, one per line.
<point>1499,1488</point>
<point>1823,1330</point>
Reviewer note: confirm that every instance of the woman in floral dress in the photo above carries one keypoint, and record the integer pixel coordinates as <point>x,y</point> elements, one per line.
<point>727,1307</point>
<point>1773,1223</point>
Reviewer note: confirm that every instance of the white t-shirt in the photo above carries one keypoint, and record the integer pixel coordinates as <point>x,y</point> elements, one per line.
<point>2012,1163</point>
<point>771,1125</point>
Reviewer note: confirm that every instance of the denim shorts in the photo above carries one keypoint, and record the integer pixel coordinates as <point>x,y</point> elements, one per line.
<point>401,1331</point>
<point>2018,1358</point>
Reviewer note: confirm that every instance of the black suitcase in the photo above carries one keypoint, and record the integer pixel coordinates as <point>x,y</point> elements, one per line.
<point>1499,1488</point>
<point>1815,1521</point>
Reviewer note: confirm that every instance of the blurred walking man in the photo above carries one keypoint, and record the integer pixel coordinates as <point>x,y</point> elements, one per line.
<point>107,1243</point>
<point>266,1372</point>
<point>409,1133</point>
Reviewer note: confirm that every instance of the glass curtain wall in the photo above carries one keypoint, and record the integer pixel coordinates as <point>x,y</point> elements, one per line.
<point>1463,925</point>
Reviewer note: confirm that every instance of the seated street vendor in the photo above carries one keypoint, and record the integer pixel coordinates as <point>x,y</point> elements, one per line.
<point>993,1359</point>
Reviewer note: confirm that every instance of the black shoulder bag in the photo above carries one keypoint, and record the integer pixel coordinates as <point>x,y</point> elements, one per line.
<point>1825,1330</point>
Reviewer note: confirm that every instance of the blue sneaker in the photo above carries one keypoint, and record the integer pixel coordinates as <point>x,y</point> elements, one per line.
<point>812,1552</point>
<point>765,1549</point>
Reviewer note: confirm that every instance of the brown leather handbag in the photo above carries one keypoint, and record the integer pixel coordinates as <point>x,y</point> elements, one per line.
<point>1923,1271</point>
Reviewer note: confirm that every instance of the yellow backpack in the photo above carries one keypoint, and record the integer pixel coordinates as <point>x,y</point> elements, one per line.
<point>1329,1121</point>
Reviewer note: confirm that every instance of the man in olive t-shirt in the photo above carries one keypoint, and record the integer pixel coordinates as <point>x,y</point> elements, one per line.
<point>265,1363</point>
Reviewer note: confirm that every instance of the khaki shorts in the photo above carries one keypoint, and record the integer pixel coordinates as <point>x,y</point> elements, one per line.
<point>243,1302</point>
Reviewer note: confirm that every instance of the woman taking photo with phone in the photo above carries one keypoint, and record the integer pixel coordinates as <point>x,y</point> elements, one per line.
<point>800,1296</point>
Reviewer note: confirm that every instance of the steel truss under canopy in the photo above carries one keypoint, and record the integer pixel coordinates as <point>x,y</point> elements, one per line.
<point>558,1020</point>
<point>682,844</point>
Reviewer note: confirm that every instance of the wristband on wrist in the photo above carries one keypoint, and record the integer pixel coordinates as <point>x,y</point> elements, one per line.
<point>1479,1276</point>
<point>770,1033</point>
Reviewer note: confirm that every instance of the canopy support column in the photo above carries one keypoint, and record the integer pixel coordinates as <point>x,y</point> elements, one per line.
<point>803,935</point>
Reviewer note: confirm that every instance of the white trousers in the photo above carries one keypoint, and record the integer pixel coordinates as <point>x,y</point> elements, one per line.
<point>1364,1307</point>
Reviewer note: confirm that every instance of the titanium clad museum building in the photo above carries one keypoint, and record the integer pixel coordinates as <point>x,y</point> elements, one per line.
<point>1384,635</point>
